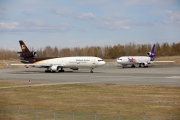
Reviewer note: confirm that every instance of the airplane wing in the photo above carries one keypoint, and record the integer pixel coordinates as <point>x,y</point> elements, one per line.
<point>5,63</point>
<point>161,61</point>
<point>38,65</point>
<point>24,65</point>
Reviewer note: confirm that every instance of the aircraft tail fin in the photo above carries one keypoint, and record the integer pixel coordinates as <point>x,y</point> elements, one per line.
<point>23,46</point>
<point>152,53</point>
<point>25,51</point>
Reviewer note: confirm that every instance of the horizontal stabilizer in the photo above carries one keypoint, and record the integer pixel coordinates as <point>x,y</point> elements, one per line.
<point>25,53</point>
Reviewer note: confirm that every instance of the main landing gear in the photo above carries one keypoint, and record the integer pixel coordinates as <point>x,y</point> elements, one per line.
<point>62,70</point>
<point>51,71</point>
<point>145,66</point>
<point>123,66</point>
<point>133,66</point>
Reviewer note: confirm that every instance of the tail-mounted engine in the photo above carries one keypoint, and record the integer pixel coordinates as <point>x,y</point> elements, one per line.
<point>150,54</point>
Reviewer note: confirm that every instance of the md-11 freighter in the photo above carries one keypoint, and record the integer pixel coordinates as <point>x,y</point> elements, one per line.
<point>56,64</point>
<point>139,60</point>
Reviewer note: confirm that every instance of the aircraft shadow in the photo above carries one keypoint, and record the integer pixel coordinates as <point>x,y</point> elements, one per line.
<point>151,66</point>
<point>42,72</point>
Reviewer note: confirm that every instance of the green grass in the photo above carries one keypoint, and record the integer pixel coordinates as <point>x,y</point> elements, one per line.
<point>109,99</point>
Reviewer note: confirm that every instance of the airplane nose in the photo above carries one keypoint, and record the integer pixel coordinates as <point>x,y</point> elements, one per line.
<point>102,63</point>
<point>118,60</point>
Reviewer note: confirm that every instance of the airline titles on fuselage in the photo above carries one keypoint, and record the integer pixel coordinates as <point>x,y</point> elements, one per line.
<point>132,59</point>
<point>82,60</point>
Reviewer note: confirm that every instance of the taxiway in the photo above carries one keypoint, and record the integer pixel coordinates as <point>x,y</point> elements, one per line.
<point>168,75</point>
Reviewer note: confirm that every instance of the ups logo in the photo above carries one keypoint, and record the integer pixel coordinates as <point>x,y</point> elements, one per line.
<point>23,47</point>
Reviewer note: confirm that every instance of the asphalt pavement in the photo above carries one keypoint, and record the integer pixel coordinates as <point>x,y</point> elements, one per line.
<point>155,75</point>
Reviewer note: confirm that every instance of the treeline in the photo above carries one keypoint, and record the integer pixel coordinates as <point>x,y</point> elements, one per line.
<point>106,52</point>
<point>7,54</point>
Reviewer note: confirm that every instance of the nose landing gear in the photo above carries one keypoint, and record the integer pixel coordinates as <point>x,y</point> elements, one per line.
<point>91,70</point>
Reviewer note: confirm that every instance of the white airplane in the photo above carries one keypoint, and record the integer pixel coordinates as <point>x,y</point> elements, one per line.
<point>56,64</point>
<point>139,60</point>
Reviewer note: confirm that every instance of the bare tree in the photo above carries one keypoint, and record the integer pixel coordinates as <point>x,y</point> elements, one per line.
<point>106,52</point>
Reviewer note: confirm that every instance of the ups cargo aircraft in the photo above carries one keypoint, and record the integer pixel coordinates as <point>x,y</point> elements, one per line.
<point>139,60</point>
<point>56,64</point>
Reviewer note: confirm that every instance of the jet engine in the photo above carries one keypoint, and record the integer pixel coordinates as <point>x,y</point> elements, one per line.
<point>145,64</point>
<point>34,53</point>
<point>151,54</point>
<point>54,68</point>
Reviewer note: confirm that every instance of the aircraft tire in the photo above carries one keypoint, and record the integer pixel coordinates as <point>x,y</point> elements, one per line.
<point>133,66</point>
<point>61,70</point>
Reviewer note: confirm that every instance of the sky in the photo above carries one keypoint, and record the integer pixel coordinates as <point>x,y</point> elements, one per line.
<point>81,23</point>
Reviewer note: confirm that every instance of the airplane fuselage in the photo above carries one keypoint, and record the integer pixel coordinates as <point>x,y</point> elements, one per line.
<point>57,64</point>
<point>132,60</point>
<point>72,62</point>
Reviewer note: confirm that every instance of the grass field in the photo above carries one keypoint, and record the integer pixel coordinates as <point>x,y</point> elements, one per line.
<point>156,102</point>
<point>130,101</point>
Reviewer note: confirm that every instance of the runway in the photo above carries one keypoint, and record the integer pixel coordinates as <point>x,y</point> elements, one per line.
<point>168,75</point>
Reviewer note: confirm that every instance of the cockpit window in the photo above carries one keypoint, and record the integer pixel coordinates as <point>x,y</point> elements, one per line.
<point>100,60</point>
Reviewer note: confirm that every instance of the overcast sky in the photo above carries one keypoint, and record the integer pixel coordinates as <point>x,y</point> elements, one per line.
<point>81,23</point>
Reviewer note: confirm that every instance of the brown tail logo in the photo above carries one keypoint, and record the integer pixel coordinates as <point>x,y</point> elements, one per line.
<point>23,47</point>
